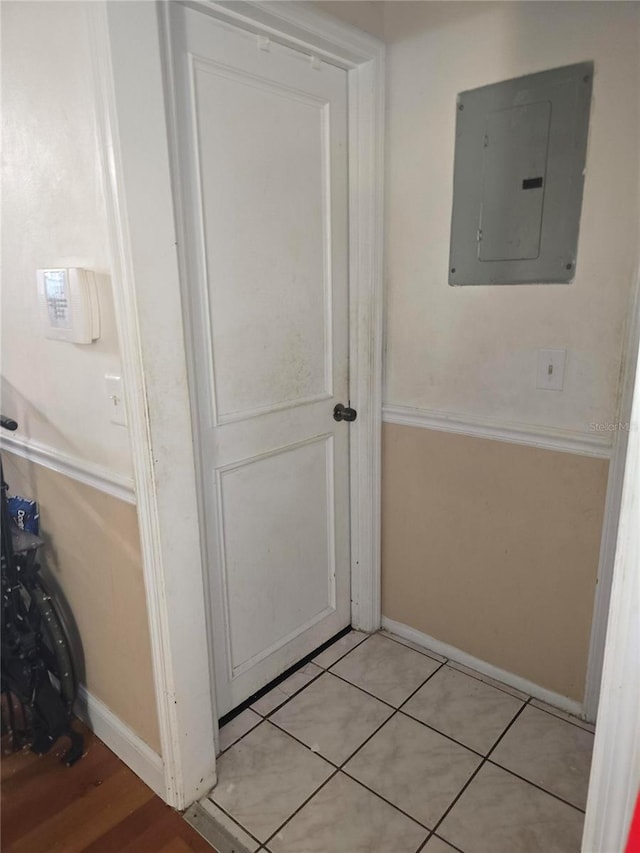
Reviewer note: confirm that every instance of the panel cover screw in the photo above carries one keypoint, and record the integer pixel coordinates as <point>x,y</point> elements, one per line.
<point>569,266</point>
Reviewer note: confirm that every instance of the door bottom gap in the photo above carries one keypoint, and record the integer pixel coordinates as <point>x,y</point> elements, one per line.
<point>230,715</point>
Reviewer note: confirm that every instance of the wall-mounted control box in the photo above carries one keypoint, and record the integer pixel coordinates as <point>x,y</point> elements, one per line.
<point>69,304</point>
<point>519,171</point>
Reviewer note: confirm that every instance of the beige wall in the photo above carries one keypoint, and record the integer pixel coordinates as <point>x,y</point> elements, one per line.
<point>93,553</point>
<point>493,548</point>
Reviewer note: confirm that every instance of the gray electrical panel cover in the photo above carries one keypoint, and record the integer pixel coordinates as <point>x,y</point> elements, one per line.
<point>519,171</point>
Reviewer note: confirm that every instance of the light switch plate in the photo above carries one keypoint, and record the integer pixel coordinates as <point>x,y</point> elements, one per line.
<point>115,396</point>
<point>550,369</point>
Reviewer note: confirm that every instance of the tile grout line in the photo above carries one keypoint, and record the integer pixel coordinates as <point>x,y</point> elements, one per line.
<point>400,707</point>
<point>394,708</point>
<point>489,760</point>
<point>338,771</point>
<point>302,743</point>
<point>406,714</point>
<point>581,724</point>
<point>432,834</point>
<point>388,802</point>
<point>480,755</point>
<point>442,734</point>
<point>445,662</point>
<point>242,737</point>
<point>384,701</point>
<point>340,768</point>
<point>288,699</point>
<point>266,717</point>
<point>293,695</point>
<point>452,664</point>
<point>301,806</point>
<point>510,691</point>
<point>284,676</point>
<point>348,652</point>
<point>478,769</point>
<point>361,689</point>
<point>425,652</point>
<point>453,846</point>
<point>534,784</point>
<point>337,768</point>
<point>233,820</point>
<point>484,757</point>
<point>411,695</point>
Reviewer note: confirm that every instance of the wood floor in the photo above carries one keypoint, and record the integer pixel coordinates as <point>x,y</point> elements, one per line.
<point>98,805</point>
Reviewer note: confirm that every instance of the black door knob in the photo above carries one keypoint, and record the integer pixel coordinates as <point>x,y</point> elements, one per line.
<point>344,413</point>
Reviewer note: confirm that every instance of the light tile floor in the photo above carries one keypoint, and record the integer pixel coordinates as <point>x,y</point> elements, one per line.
<point>381,747</point>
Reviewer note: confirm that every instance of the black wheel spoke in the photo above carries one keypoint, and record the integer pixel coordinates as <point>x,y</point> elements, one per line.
<point>37,662</point>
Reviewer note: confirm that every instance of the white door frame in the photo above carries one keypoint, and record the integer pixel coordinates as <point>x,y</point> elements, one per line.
<point>143,228</point>
<point>615,770</point>
<point>611,520</point>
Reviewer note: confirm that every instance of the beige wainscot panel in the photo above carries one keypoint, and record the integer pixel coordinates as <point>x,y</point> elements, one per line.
<point>93,552</point>
<point>493,548</point>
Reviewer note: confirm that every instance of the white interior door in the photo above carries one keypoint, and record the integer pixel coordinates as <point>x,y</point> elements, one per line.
<point>263,177</point>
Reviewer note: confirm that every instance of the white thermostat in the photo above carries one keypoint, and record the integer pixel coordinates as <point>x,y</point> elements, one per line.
<point>69,305</point>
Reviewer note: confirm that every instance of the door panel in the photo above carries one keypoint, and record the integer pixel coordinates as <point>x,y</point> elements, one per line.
<point>262,174</point>
<point>270,238</point>
<point>277,512</point>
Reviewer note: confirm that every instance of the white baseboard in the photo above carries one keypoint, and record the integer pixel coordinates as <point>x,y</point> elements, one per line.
<point>508,678</point>
<point>120,739</point>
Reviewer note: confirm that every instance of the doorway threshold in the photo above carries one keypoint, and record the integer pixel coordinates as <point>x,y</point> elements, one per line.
<point>214,826</point>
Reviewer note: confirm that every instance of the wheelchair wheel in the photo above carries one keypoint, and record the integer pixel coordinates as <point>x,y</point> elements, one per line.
<point>56,645</point>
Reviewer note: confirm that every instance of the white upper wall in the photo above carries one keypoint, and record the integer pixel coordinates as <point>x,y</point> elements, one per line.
<point>472,350</point>
<point>53,215</point>
<point>367,15</point>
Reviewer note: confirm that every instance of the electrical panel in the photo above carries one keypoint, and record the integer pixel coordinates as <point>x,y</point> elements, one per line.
<point>519,172</point>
